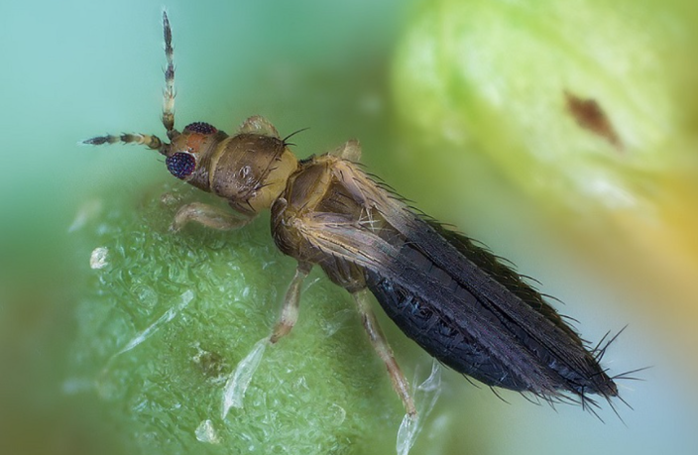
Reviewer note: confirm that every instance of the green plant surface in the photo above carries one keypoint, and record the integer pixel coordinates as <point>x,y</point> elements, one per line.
<point>315,392</point>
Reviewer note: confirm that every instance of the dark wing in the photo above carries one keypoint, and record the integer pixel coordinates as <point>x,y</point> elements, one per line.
<point>455,299</point>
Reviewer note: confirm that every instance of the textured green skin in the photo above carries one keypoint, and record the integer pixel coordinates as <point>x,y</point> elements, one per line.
<point>490,76</point>
<point>319,390</point>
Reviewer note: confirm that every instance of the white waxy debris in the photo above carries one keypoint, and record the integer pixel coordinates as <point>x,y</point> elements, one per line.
<point>85,212</point>
<point>339,320</point>
<point>143,335</point>
<point>98,258</point>
<point>339,414</point>
<point>206,432</point>
<point>425,397</point>
<point>73,386</point>
<point>238,381</point>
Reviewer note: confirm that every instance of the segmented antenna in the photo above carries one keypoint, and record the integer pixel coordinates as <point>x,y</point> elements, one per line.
<point>152,142</point>
<point>168,94</point>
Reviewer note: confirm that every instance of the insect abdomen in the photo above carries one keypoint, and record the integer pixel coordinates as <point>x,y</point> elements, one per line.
<point>439,335</point>
<point>477,316</point>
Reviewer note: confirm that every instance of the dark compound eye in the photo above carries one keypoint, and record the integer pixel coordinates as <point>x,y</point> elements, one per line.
<point>180,164</point>
<point>200,127</point>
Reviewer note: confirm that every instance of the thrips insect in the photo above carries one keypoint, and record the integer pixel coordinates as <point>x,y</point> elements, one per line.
<point>453,298</point>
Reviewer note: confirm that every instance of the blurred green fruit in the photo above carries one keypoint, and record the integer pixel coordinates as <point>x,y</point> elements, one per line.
<point>588,106</point>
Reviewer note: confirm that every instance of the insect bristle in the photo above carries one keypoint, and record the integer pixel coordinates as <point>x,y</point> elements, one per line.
<point>285,139</point>
<point>600,349</point>
<point>626,375</point>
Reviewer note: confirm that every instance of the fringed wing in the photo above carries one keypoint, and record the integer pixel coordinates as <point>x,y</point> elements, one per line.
<point>455,299</point>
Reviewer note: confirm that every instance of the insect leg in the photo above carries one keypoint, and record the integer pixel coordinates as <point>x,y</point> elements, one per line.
<point>235,387</point>
<point>289,312</point>
<point>169,93</point>
<point>380,344</point>
<point>207,215</point>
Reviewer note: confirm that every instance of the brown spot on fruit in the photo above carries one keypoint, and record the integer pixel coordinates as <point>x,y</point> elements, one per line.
<point>589,115</point>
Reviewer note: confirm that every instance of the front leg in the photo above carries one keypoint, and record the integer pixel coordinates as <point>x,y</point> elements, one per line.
<point>290,310</point>
<point>239,379</point>
<point>209,216</point>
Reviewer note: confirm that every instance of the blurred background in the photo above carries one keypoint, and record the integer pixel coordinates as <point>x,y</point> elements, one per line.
<point>564,136</point>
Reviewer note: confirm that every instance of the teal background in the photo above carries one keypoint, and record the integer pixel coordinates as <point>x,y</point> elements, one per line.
<point>73,69</point>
